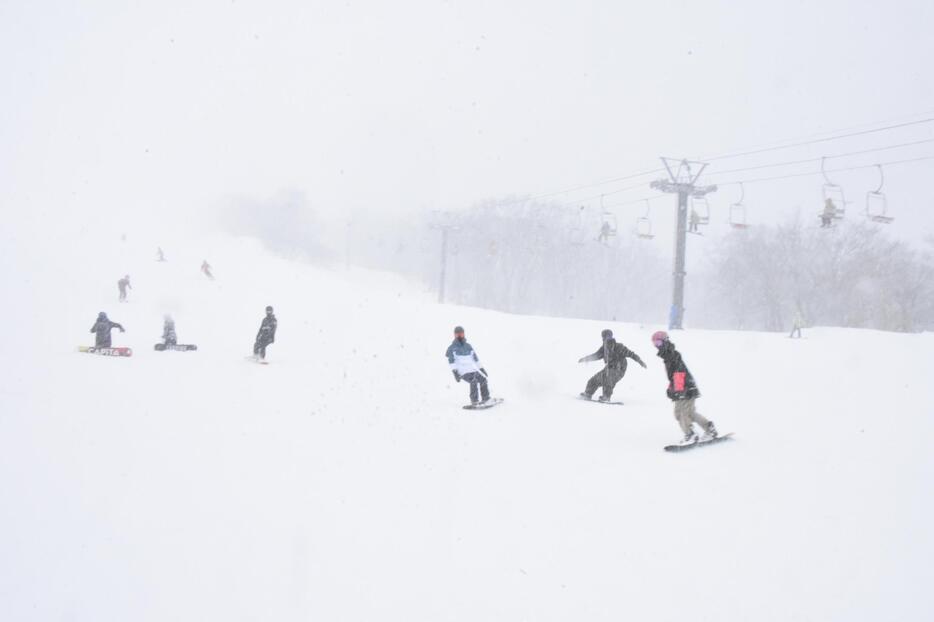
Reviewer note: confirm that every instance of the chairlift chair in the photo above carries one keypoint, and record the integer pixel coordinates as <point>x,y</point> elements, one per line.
<point>877,203</point>
<point>834,193</point>
<point>644,224</point>
<point>738,211</point>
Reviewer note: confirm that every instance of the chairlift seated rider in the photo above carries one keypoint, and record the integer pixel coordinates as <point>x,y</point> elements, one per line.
<point>829,213</point>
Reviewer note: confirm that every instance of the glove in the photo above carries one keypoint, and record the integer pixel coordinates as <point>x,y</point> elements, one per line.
<point>122,331</point>
<point>644,366</point>
<point>457,376</point>
<point>483,371</point>
<point>580,360</point>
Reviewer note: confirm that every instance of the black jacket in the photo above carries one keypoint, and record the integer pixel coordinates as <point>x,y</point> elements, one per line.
<point>614,354</point>
<point>267,330</point>
<point>101,329</point>
<point>681,385</point>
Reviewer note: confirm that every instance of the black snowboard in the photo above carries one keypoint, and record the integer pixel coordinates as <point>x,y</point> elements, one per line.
<point>610,403</point>
<point>722,437</point>
<point>484,405</point>
<point>181,347</point>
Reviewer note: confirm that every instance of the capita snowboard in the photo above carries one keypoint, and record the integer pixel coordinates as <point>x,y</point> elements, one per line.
<point>609,403</point>
<point>121,351</point>
<point>699,443</point>
<point>490,403</point>
<point>180,347</point>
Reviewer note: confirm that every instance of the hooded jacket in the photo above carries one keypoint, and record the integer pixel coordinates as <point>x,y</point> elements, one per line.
<point>267,330</point>
<point>681,385</point>
<point>614,355</point>
<point>101,330</point>
<point>462,358</point>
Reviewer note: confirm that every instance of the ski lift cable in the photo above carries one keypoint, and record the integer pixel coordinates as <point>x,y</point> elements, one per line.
<point>851,128</point>
<point>811,160</point>
<point>819,140</point>
<point>836,170</point>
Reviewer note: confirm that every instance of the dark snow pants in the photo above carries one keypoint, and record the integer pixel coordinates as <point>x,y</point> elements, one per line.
<point>477,380</point>
<point>606,378</point>
<point>259,348</point>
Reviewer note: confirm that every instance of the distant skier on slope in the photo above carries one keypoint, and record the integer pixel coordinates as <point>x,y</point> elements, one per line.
<point>614,355</point>
<point>160,256</point>
<point>682,390</point>
<point>465,365</point>
<point>206,269</point>
<point>123,285</point>
<point>797,324</point>
<point>101,329</point>
<point>169,338</point>
<point>266,335</point>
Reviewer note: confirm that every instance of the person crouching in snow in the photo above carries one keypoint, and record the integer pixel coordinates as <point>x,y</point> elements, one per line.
<point>614,355</point>
<point>682,390</point>
<point>466,366</point>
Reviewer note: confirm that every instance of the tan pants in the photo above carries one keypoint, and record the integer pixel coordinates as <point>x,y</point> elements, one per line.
<point>686,414</point>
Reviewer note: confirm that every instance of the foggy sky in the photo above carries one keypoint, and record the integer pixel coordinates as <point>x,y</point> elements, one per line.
<point>153,111</point>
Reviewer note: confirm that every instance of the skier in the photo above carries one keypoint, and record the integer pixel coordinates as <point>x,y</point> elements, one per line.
<point>614,355</point>
<point>206,268</point>
<point>693,221</point>
<point>169,337</point>
<point>798,322</point>
<point>829,213</point>
<point>466,366</point>
<point>682,390</point>
<point>102,328</point>
<point>160,256</point>
<point>124,284</point>
<point>266,335</point>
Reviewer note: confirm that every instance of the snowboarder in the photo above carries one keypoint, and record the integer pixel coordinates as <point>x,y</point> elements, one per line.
<point>266,335</point>
<point>682,390</point>
<point>160,256</point>
<point>614,355</point>
<point>466,366</point>
<point>206,269</point>
<point>102,328</point>
<point>124,284</point>
<point>829,213</point>
<point>169,337</point>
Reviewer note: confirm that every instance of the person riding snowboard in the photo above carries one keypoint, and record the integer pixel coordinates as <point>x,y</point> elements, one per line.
<point>614,355</point>
<point>266,334</point>
<point>124,284</point>
<point>102,328</point>
<point>169,337</point>
<point>682,390</point>
<point>466,366</point>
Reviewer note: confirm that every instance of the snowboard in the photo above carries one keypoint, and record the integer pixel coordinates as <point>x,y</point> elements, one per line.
<point>106,351</point>
<point>722,437</point>
<point>181,347</point>
<point>610,403</point>
<point>493,401</point>
<point>253,359</point>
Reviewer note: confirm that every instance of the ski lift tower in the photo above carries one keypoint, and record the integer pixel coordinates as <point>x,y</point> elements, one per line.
<point>443,222</point>
<point>681,181</point>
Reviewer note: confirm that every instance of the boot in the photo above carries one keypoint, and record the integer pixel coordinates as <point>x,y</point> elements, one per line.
<point>603,398</point>
<point>584,396</point>
<point>689,439</point>
<point>710,433</point>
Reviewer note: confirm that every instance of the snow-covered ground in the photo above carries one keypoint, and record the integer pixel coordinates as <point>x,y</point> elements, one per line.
<point>344,482</point>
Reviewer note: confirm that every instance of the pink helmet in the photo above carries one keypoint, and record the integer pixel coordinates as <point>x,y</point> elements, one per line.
<point>659,337</point>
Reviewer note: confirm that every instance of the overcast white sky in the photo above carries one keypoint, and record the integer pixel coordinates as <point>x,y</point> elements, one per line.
<point>161,108</point>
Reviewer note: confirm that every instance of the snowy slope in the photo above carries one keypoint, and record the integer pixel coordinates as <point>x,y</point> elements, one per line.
<point>344,482</point>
